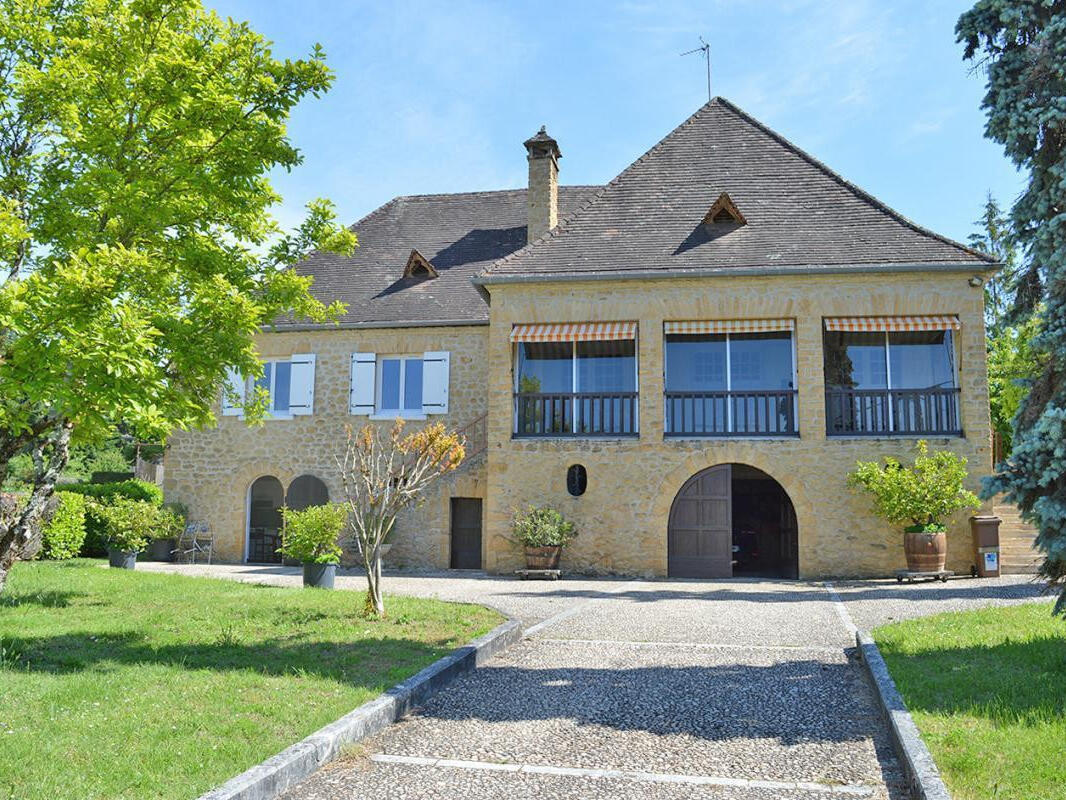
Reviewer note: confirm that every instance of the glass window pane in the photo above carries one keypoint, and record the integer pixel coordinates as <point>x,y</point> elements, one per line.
<point>760,361</point>
<point>855,360</point>
<point>606,366</point>
<point>282,381</point>
<point>545,366</point>
<point>412,384</point>
<point>390,384</point>
<point>695,363</point>
<point>921,360</point>
<point>264,382</point>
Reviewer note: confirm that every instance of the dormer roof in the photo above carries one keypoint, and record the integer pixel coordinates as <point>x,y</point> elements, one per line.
<point>418,266</point>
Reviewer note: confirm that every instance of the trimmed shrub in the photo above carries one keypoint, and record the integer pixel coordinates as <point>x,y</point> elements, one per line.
<point>310,535</point>
<point>130,524</point>
<point>64,534</point>
<point>106,493</point>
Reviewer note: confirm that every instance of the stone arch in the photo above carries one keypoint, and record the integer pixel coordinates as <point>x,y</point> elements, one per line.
<point>306,490</point>
<point>791,489</point>
<point>266,496</point>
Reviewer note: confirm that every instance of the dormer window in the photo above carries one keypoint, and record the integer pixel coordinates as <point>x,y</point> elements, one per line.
<point>724,212</point>
<point>418,266</point>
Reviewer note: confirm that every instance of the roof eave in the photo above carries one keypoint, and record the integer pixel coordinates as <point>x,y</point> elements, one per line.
<point>488,279</point>
<point>344,326</point>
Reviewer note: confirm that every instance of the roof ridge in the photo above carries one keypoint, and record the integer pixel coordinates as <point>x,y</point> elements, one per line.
<point>851,187</point>
<point>435,195</point>
<point>564,223</point>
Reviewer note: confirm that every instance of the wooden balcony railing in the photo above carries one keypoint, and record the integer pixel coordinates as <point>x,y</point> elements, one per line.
<point>903,412</point>
<point>575,414</point>
<point>755,413</point>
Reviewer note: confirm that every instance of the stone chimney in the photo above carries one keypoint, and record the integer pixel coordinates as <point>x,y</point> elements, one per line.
<point>542,198</point>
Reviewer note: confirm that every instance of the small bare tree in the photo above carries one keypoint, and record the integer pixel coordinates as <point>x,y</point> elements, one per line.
<point>384,473</point>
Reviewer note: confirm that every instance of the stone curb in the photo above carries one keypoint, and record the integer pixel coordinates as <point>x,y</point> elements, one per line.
<point>278,773</point>
<point>924,777</point>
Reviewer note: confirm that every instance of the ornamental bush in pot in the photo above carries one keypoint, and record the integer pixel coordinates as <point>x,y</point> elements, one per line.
<point>310,537</point>
<point>543,532</point>
<point>128,527</point>
<point>923,495</point>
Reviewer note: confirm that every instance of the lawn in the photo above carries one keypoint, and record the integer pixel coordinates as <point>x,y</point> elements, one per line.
<point>117,684</point>
<point>988,691</point>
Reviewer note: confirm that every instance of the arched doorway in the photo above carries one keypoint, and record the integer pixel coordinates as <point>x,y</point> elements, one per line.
<point>732,520</point>
<point>306,491</point>
<point>265,498</point>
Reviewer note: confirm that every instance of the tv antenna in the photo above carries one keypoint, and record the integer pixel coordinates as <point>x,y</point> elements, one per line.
<point>706,50</point>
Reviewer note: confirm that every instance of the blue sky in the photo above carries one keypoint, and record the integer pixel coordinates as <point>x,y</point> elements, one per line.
<point>438,97</point>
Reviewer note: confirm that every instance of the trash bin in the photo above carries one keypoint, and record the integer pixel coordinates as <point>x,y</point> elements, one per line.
<point>985,532</point>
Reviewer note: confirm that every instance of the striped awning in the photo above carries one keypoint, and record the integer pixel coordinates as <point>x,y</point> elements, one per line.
<point>573,331</point>
<point>944,322</point>
<point>730,326</point>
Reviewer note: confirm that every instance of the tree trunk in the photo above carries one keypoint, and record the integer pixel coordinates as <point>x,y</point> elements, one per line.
<point>20,533</point>
<point>374,606</point>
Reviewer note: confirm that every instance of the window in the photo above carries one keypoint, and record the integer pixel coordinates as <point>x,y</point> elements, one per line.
<point>391,386</point>
<point>580,388</point>
<point>399,385</point>
<point>890,381</point>
<point>276,381</point>
<point>729,383</point>
<point>289,384</point>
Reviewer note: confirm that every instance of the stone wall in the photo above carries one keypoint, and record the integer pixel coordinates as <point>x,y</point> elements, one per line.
<point>622,517</point>
<point>211,471</point>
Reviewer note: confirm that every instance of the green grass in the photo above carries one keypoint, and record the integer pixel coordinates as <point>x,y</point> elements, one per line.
<point>117,684</point>
<point>987,689</point>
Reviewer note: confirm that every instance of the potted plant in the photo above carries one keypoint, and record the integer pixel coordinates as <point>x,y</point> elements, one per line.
<point>172,518</point>
<point>921,497</point>
<point>310,537</point>
<point>543,533</point>
<point>128,527</point>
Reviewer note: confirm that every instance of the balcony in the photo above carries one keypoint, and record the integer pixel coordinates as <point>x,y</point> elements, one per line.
<point>892,412</point>
<point>577,414</point>
<point>735,413</point>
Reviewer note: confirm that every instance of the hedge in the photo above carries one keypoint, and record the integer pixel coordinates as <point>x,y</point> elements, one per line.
<point>64,534</point>
<point>95,535</point>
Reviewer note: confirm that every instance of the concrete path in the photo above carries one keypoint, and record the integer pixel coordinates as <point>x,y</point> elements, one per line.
<point>658,689</point>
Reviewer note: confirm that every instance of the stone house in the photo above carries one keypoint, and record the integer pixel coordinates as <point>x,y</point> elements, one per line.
<point>686,362</point>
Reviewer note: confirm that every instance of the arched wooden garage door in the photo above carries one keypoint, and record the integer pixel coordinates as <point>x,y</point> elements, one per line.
<point>700,533</point>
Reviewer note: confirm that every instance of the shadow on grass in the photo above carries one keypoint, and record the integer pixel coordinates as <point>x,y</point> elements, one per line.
<point>365,663</point>
<point>1008,682</point>
<point>45,599</point>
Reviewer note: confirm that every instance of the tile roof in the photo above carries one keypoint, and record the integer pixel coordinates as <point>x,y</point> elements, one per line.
<point>798,212</point>
<point>460,235</point>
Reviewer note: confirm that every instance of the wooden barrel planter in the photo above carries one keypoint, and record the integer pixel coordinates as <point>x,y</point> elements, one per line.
<point>926,551</point>
<point>543,557</point>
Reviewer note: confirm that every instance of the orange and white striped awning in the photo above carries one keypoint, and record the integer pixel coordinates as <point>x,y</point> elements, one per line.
<point>932,322</point>
<point>700,326</point>
<point>573,331</point>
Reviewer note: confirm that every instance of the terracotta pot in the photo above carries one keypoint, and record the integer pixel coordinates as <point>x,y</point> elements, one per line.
<point>926,552</point>
<point>543,557</point>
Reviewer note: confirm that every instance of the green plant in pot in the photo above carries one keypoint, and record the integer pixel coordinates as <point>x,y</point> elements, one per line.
<point>310,537</point>
<point>543,532</point>
<point>129,525</point>
<point>920,496</point>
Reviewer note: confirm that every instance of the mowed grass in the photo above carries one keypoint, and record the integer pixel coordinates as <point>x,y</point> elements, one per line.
<point>988,691</point>
<point>117,684</point>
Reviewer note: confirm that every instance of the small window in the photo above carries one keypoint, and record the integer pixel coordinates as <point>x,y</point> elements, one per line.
<point>577,480</point>
<point>399,385</point>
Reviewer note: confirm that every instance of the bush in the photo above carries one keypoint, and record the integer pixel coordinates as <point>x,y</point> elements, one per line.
<point>542,527</point>
<point>311,535</point>
<point>64,534</point>
<point>922,494</point>
<point>130,524</point>
<point>105,493</point>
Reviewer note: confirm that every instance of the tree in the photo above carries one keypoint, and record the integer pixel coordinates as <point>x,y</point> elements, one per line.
<point>1013,365</point>
<point>995,239</point>
<point>382,474</point>
<point>1022,46</point>
<point>138,256</point>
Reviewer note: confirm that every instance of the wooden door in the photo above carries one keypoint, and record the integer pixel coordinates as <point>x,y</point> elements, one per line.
<point>466,533</point>
<point>700,532</point>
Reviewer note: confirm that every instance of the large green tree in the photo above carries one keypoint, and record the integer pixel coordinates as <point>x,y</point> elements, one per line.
<point>1022,46</point>
<point>138,256</point>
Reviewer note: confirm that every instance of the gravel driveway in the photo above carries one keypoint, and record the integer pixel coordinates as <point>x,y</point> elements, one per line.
<point>660,689</point>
